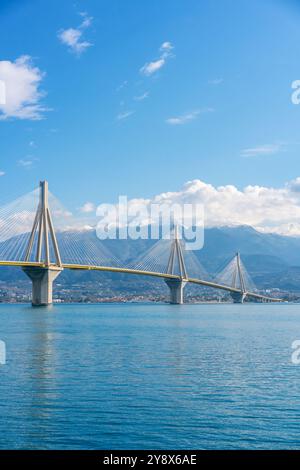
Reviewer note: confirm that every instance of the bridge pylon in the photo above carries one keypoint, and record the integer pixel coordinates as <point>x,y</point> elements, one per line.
<point>176,258</point>
<point>42,238</point>
<point>238,281</point>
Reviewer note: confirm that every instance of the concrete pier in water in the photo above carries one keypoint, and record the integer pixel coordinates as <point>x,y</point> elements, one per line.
<point>176,287</point>
<point>42,283</point>
<point>238,297</point>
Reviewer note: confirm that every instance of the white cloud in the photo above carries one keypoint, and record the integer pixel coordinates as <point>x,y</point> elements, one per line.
<point>87,20</point>
<point>267,209</point>
<point>22,94</point>
<point>166,46</point>
<point>142,97</point>
<point>151,67</point>
<point>262,150</point>
<point>184,118</point>
<point>87,208</point>
<point>2,92</point>
<point>2,173</point>
<point>124,115</point>
<point>166,49</point>
<point>27,162</point>
<point>73,37</point>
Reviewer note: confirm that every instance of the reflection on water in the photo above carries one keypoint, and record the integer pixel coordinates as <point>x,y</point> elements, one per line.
<point>149,376</point>
<point>43,372</point>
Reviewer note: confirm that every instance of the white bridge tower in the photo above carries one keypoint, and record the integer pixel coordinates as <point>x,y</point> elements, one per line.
<point>176,258</point>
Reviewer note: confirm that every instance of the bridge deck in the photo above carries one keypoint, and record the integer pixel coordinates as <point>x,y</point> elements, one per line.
<point>140,273</point>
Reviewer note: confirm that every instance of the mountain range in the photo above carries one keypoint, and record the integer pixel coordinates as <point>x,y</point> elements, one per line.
<point>271,260</point>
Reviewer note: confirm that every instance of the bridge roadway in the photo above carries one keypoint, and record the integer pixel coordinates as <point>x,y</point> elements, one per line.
<point>201,282</point>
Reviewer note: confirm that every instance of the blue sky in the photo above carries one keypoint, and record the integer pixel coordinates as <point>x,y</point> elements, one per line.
<point>214,104</point>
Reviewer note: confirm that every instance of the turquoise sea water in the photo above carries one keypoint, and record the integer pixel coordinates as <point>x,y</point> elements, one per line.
<point>149,377</point>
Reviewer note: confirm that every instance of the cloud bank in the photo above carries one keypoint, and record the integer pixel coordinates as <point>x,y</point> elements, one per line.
<point>267,209</point>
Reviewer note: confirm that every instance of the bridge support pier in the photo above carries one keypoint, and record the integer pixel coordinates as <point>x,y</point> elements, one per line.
<point>42,283</point>
<point>176,287</point>
<point>238,297</point>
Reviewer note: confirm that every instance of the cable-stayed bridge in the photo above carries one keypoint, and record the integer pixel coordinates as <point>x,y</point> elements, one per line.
<point>30,238</point>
